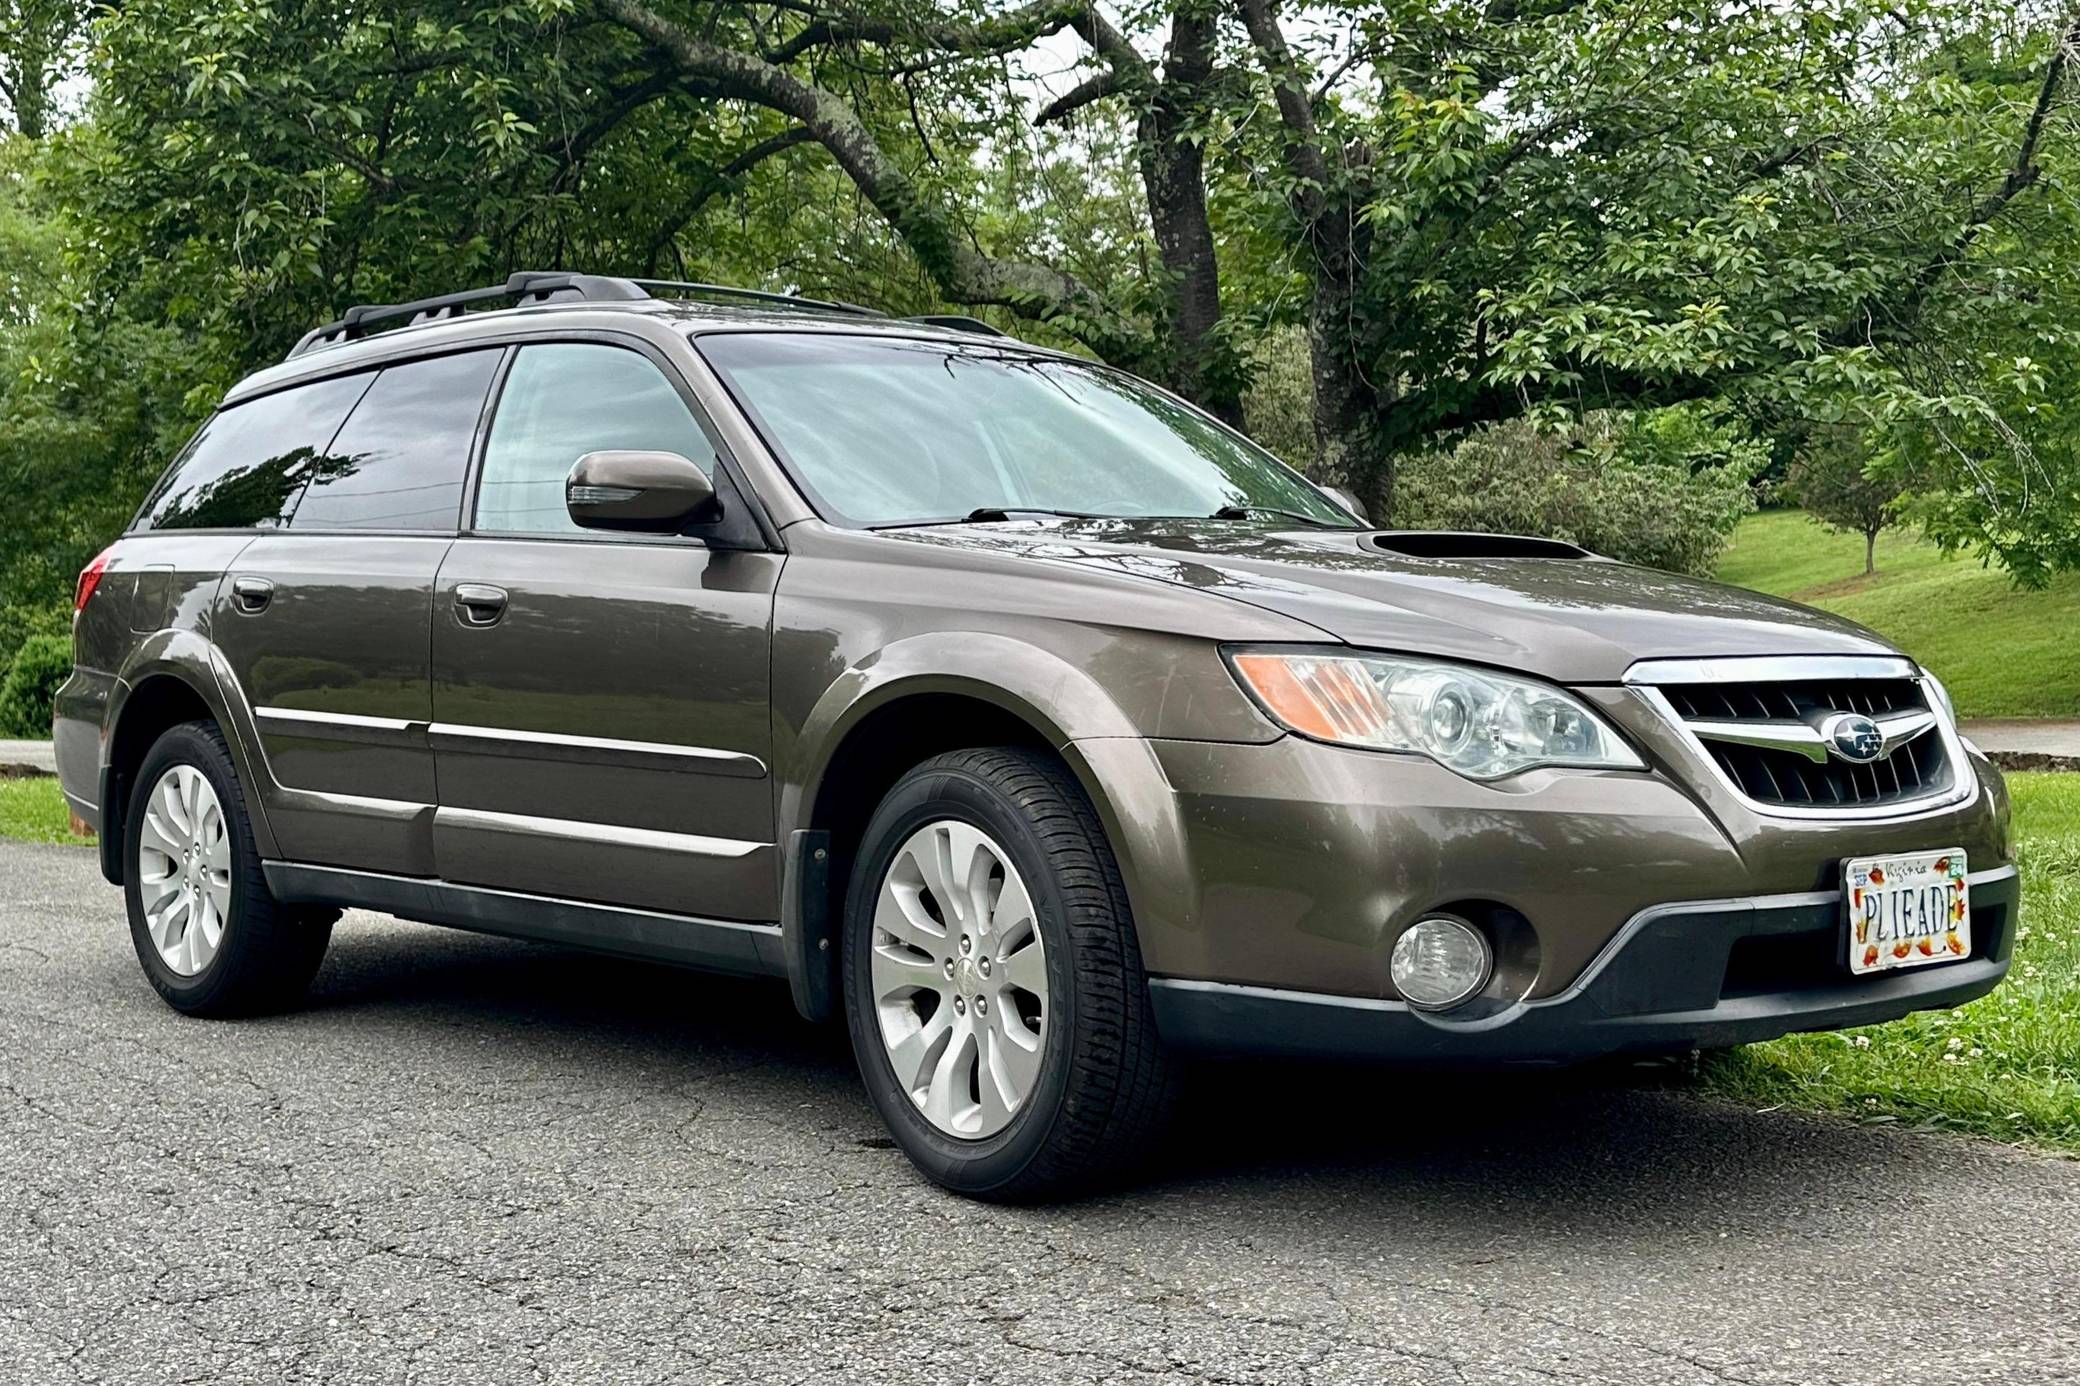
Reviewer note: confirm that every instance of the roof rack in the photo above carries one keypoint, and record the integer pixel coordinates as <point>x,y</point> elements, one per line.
<point>540,287</point>
<point>536,286</point>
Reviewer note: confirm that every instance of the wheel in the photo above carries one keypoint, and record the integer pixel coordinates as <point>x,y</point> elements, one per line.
<point>212,938</point>
<point>993,985</point>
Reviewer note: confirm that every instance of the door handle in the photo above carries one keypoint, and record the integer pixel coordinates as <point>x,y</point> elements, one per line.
<point>479,603</point>
<point>251,595</point>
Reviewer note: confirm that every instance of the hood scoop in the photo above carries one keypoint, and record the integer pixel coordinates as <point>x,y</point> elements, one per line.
<point>1446,543</point>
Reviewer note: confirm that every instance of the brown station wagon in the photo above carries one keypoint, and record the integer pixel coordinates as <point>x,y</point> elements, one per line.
<point>1009,707</point>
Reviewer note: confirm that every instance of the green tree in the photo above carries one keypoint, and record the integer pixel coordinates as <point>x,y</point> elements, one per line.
<point>1834,479</point>
<point>1555,207</point>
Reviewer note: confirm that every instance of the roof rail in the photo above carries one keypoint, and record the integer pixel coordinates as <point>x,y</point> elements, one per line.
<point>959,322</point>
<point>526,285</point>
<point>693,290</point>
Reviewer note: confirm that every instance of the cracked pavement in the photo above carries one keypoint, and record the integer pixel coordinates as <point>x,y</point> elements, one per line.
<point>474,1160</point>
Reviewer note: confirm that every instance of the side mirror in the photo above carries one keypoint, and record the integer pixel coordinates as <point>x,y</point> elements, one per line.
<point>657,492</point>
<point>1349,499</point>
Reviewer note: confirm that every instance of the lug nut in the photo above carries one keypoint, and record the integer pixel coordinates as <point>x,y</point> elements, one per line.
<point>966,943</point>
<point>984,966</point>
<point>960,1007</point>
<point>982,1005</point>
<point>949,970</point>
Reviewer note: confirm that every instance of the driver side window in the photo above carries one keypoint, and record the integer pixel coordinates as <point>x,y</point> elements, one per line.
<point>561,401</point>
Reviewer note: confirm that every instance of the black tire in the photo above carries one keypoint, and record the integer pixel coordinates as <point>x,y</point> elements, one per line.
<point>270,951</point>
<point>1103,1090</point>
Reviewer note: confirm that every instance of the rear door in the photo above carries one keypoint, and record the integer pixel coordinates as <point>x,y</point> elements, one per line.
<point>325,623</point>
<point>601,701</point>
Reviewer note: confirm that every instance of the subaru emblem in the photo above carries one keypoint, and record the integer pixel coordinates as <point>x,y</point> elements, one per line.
<point>1853,737</point>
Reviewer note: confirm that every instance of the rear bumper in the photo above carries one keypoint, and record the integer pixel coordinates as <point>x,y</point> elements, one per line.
<point>1696,975</point>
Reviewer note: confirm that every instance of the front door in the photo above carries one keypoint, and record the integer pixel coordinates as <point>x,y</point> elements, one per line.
<point>601,725</point>
<point>325,624</point>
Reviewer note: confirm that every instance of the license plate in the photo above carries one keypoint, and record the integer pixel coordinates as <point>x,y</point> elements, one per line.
<point>1907,911</point>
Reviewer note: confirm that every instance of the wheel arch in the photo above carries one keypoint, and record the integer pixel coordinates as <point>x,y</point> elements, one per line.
<point>917,699</point>
<point>172,679</point>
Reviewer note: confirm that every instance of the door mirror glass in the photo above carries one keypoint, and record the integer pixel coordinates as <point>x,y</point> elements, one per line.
<point>660,492</point>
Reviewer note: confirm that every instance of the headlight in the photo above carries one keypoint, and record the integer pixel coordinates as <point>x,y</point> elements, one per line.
<point>1483,725</point>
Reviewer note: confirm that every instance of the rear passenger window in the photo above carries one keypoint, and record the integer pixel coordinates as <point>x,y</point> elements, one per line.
<point>244,468</point>
<point>399,461</point>
<point>561,401</point>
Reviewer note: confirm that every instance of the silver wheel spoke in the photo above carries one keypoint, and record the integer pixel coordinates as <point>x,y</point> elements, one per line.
<point>900,912</point>
<point>947,1099</point>
<point>914,1055</point>
<point>1026,969</point>
<point>160,836</point>
<point>898,972</point>
<point>1012,917</point>
<point>959,979</point>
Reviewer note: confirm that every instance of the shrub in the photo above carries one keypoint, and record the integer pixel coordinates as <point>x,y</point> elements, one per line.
<point>19,621</point>
<point>42,664</point>
<point>1661,492</point>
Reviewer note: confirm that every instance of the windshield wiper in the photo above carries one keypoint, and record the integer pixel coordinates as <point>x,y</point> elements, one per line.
<point>1243,512</point>
<point>996,515</point>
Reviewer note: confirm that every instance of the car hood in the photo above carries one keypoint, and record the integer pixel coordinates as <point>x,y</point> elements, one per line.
<point>1573,617</point>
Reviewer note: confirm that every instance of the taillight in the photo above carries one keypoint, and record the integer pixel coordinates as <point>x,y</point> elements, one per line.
<point>90,578</point>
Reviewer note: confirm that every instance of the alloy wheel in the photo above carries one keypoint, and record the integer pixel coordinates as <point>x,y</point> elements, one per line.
<point>184,869</point>
<point>959,977</point>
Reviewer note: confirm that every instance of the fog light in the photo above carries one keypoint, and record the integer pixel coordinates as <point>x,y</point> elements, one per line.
<point>1439,962</point>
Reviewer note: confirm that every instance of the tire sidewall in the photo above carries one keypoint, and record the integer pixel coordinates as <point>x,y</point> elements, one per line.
<point>927,796</point>
<point>189,745</point>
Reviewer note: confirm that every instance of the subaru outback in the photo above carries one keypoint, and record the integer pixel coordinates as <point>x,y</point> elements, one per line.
<point>1010,708</point>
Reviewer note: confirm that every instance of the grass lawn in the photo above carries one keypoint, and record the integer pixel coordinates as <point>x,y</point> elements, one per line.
<point>34,811</point>
<point>2006,1066</point>
<point>2001,651</point>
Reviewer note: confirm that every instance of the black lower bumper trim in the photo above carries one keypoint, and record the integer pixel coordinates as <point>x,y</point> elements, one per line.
<point>1663,984</point>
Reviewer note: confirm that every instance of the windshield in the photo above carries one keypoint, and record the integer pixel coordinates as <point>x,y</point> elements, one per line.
<point>890,432</point>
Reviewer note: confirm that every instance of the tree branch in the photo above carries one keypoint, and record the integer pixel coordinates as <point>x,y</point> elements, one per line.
<point>1004,33</point>
<point>933,235</point>
<point>714,182</point>
<point>2023,173</point>
<point>1091,89</point>
<point>1303,152</point>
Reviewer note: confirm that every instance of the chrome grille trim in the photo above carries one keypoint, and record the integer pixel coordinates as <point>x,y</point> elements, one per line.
<point>1909,778</point>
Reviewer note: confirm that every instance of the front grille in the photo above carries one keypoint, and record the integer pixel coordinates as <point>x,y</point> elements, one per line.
<point>1793,699</point>
<point>1787,778</point>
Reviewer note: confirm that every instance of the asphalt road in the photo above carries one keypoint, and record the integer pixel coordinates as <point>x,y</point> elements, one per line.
<point>478,1161</point>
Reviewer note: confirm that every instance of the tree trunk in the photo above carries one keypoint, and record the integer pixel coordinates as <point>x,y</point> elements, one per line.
<point>1173,173</point>
<point>1870,552</point>
<point>30,64</point>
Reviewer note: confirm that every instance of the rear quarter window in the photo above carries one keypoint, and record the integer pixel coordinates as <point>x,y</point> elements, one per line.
<point>249,462</point>
<point>399,461</point>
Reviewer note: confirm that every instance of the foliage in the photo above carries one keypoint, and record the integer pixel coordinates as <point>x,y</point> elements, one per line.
<point>40,667</point>
<point>1849,215</point>
<point>1661,492</point>
<point>2005,1066</point>
<point>1557,209</point>
<point>18,623</point>
<point>1833,479</point>
<point>2002,652</point>
<point>1278,408</point>
<point>93,403</point>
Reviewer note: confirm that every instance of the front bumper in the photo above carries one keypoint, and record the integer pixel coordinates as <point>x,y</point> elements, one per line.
<point>1697,975</point>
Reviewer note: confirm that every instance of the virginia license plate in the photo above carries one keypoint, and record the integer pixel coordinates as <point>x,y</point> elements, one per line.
<point>1907,911</point>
